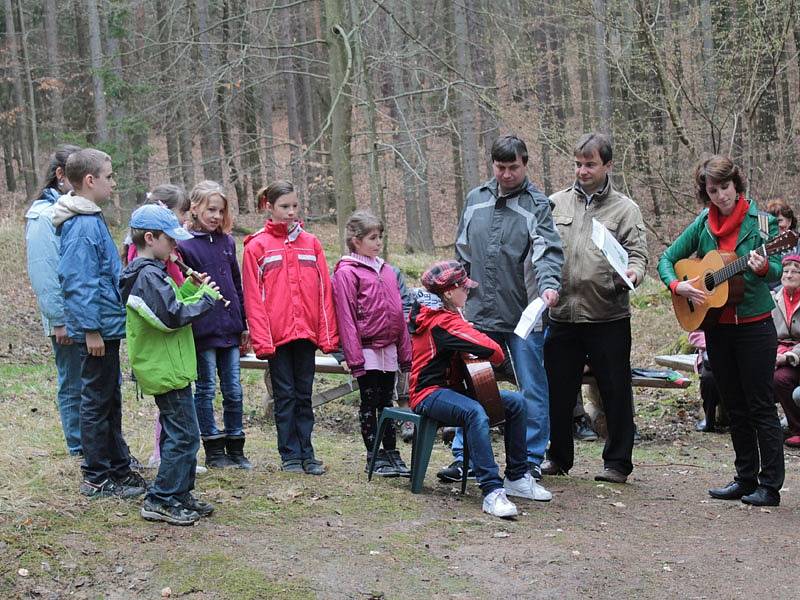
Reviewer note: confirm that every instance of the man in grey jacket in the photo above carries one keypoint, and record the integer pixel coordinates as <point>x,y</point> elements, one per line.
<point>592,318</point>
<point>508,243</point>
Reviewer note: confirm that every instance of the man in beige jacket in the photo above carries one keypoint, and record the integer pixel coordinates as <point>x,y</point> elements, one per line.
<point>591,322</point>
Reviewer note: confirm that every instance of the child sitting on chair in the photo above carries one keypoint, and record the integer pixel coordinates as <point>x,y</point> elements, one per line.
<point>439,338</point>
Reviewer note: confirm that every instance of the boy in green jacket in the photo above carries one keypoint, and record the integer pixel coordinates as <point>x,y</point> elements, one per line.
<point>161,350</point>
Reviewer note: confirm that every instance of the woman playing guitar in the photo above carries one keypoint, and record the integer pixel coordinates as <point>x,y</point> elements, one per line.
<point>439,338</point>
<point>742,343</point>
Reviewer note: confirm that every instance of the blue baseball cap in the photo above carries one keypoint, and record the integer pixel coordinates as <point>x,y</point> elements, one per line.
<point>159,218</point>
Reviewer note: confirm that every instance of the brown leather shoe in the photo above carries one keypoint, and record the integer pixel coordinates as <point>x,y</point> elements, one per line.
<point>611,476</point>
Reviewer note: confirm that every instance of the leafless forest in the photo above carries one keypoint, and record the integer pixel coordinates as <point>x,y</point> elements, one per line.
<point>393,103</point>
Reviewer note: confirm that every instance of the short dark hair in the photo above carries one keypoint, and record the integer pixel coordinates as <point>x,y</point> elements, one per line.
<point>718,169</point>
<point>85,162</point>
<point>590,142</point>
<point>507,148</point>
<point>137,236</point>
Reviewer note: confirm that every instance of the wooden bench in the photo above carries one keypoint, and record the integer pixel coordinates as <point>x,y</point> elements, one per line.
<point>323,363</point>
<point>679,362</point>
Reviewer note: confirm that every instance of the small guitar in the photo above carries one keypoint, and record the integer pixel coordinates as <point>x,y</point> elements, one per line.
<point>720,274</point>
<point>482,386</point>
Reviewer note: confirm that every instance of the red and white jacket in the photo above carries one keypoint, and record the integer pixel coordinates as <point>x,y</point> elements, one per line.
<point>438,339</point>
<point>287,290</point>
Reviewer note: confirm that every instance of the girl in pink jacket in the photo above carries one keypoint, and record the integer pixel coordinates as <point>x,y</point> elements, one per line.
<point>373,333</point>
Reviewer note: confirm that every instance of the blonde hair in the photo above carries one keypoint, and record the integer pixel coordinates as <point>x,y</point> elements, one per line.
<point>359,226</point>
<point>200,196</point>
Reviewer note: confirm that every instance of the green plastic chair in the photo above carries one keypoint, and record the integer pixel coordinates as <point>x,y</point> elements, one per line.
<point>421,447</point>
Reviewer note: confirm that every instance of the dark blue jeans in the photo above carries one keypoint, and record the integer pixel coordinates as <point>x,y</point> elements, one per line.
<point>105,454</point>
<point>68,366</point>
<point>292,374</point>
<point>225,363</point>
<point>451,408</point>
<point>179,442</point>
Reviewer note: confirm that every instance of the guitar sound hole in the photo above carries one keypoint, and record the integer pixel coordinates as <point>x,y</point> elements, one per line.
<point>709,281</point>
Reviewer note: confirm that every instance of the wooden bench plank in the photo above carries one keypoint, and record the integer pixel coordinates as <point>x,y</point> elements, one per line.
<point>679,362</point>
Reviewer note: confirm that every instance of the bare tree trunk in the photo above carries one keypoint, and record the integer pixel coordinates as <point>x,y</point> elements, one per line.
<point>602,85</point>
<point>96,53</point>
<point>340,72</point>
<point>8,160</point>
<point>169,122</point>
<point>226,108</point>
<point>209,125</point>
<point>53,59</point>
<point>26,165</point>
<point>466,108</point>
<point>33,124</point>
<point>292,113</point>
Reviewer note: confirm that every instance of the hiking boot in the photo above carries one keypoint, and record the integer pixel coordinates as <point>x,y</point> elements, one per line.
<point>526,487</point>
<point>582,430</point>
<point>383,465</point>
<point>169,513</point>
<point>454,472</point>
<point>204,509</point>
<point>611,476</point>
<point>133,479</point>
<point>550,467</point>
<point>293,465</point>
<point>312,466</point>
<point>397,462</point>
<point>498,505</point>
<point>216,458</point>
<point>108,489</point>
<point>234,449</point>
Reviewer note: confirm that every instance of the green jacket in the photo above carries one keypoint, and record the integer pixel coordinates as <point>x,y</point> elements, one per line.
<point>159,313</point>
<point>698,239</point>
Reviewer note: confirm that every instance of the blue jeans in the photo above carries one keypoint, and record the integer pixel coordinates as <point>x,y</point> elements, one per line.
<point>179,442</point>
<point>68,367</point>
<point>451,408</point>
<point>225,362</point>
<point>528,358</point>
<point>292,373</point>
<point>105,454</point>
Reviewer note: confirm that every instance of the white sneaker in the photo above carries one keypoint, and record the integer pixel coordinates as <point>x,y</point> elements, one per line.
<point>496,504</point>
<point>526,487</point>
<point>200,469</point>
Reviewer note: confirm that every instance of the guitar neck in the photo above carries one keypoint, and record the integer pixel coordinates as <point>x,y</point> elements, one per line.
<point>737,266</point>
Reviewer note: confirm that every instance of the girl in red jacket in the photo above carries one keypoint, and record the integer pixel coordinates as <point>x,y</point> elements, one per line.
<point>375,341</point>
<point>289,305</point>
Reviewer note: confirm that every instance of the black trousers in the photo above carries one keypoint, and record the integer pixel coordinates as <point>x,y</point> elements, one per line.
<point>742,358</point>
<point>607,347</point>
<point>376,389</point>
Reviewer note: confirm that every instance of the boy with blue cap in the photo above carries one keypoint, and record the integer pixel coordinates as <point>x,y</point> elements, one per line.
<point>162,355</point>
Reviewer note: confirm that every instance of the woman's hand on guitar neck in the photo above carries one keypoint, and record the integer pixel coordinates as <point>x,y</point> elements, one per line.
<point>687,290</point>
<point>756,262</point>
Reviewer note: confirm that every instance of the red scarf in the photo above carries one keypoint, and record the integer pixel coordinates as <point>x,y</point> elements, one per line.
<point>726,228</point>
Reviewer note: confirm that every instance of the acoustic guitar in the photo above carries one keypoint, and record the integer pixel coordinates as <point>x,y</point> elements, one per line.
<point>720,274</point>
<point>482,386</point>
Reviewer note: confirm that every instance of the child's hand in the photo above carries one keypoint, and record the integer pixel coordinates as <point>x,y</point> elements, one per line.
<point>244,343</point>
<point>95,344</point>
<point>345,366</point>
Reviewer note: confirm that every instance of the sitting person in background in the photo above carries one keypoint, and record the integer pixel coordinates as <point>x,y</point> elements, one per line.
<point>781,210</point>
<point>787,362</point>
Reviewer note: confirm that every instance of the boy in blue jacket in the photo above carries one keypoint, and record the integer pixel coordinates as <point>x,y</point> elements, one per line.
<point>161,350</point>
<point>88,270</point>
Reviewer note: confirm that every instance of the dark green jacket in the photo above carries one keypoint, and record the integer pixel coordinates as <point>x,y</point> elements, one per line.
<point>698,239</point>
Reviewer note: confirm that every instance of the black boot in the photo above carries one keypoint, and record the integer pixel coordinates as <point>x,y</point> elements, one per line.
<point>234,448</point>
<point>215,453</point>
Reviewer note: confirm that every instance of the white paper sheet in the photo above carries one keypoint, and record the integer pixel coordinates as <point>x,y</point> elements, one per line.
<point>530,317</point>
<point>615,254</point>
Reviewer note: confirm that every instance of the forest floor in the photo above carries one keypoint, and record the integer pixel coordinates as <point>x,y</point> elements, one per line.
<point>276,535</point>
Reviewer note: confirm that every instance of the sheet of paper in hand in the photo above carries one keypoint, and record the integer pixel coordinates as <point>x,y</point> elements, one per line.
<point>611,249</point>
<point>530,317</point>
